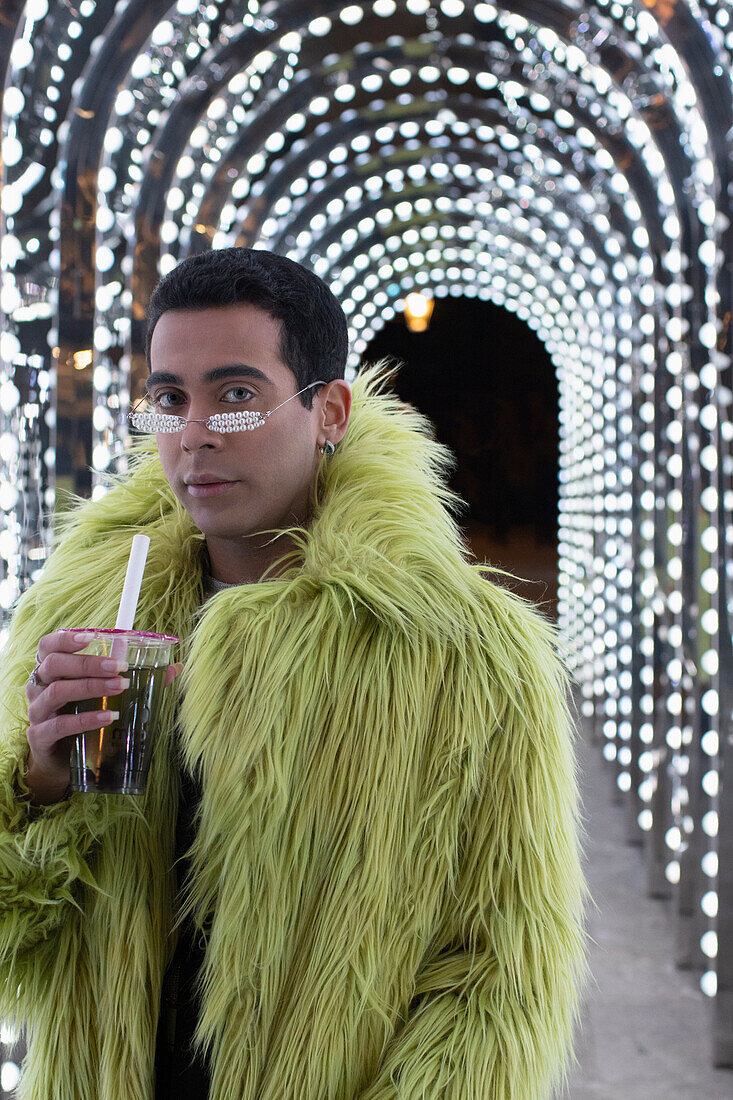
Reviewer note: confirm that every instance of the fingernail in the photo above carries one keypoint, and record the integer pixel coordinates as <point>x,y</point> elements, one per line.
<point>114,666</point>
<point>108,715</point>
<point>79,638</point>
<point>118,684</point>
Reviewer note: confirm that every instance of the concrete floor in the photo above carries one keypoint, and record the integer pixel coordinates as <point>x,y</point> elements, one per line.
<point>646,1025</point>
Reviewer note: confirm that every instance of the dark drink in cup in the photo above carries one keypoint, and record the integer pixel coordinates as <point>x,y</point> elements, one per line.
<point>115,759</point>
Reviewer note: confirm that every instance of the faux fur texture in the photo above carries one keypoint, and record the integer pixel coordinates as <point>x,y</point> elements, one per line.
<point>387,860</point>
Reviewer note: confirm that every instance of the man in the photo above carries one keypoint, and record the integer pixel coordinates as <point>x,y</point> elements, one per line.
<point>377,892</point>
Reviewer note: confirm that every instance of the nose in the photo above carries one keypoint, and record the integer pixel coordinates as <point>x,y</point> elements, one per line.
<point>196,436</point>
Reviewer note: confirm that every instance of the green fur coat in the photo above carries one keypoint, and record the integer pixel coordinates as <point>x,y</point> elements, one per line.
<point>387,857</point>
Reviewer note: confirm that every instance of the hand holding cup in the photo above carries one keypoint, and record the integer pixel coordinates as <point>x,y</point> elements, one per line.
<point>66,676</point>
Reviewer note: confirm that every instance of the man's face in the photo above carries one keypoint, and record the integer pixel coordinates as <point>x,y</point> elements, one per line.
<point>227,359</point>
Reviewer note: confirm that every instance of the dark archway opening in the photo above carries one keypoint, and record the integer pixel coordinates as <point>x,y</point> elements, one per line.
<point>489,386</point>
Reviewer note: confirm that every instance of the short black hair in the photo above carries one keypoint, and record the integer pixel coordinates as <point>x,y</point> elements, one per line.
<point>313,337</point>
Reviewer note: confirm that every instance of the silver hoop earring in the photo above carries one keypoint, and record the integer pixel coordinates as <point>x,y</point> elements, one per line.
<point>328,449</point>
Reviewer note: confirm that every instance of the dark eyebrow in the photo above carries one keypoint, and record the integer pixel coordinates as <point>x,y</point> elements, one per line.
<point>236,370</point>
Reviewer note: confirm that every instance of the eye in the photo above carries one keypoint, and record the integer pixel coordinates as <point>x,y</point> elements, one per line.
<point>241,394</point>
<point>165,399</point>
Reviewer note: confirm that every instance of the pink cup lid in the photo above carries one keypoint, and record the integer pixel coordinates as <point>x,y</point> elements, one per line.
<point>112,630</point>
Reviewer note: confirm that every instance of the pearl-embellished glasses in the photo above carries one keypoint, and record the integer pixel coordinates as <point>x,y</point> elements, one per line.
<point>241,421</point>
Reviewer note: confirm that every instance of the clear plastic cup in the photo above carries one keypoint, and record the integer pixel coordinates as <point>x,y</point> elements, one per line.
<point>115,759</point>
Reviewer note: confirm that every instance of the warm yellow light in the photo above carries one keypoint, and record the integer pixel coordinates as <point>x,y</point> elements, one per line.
<point>418,311</point>
<point>82,359</point>
<point>417,304</point>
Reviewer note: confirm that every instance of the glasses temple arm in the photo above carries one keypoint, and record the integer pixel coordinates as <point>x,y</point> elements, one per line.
<point>308,387</point>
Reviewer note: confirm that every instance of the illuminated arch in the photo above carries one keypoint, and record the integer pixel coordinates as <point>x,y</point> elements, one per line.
<point>573,167</point>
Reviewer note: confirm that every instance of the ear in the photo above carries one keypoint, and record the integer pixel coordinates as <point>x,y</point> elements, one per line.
<point>335,399</point>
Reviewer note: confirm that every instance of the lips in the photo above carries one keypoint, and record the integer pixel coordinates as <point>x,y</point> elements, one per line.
<point>206,479</point>
<point>206,485</point>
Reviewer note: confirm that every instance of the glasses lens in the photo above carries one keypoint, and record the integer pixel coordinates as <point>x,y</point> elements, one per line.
<point>156,422</point>
<point>235,421</point>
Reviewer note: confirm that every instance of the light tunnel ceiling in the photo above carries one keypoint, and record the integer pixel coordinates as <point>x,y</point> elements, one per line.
<point>357,139</point>
<point>570,162</point>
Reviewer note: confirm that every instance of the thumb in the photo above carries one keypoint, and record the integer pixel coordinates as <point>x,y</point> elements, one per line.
<point>172,671</point>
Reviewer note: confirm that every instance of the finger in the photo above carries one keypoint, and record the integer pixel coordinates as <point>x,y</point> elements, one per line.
<point>43,737</point>
<point>32,692</point>
<point>60,692</point>
<point>63,641</point>
<point>76,666</point>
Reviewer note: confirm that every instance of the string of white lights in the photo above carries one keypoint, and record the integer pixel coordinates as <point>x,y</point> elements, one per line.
<point>574,172</point>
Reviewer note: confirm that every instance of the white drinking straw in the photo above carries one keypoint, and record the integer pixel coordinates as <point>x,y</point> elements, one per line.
<point>133,580</point>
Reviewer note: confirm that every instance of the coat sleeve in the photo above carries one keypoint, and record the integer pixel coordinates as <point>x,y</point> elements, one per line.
<point>496,1003</point>
<point>44,859</point>
<point>46,855</point>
